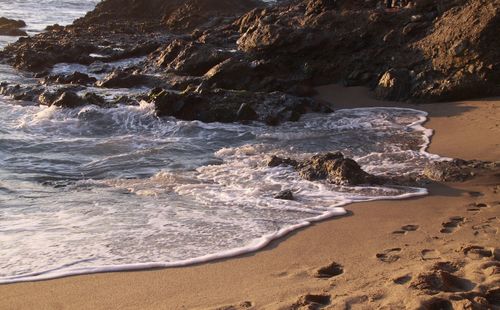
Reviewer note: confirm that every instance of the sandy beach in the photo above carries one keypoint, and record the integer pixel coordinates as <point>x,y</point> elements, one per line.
<point>382,255</point>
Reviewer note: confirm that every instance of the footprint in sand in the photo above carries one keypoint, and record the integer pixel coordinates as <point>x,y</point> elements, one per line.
<point>243,306</point>
<point>311,301</point>
<point>406,229</point>
<point>486,228</point>
<point>477,252</point>
<point>330,271</point>
<point>433,282</point>
<point>476,207</point>
<point>389,255</point>
<point>402,279</point>
<point>452,224</point>
<point>430,254</point>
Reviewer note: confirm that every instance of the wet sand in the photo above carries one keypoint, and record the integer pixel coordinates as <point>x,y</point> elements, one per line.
<point>384,254</point>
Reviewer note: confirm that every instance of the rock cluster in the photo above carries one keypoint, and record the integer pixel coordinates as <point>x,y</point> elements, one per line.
<point>221,59</point>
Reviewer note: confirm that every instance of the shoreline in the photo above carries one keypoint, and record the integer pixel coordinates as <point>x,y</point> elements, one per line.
<point>281,272</point>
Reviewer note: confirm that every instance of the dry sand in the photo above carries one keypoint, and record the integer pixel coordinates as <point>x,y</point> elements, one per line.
<point>390,254</point>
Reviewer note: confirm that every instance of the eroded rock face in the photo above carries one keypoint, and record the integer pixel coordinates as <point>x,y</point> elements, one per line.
<point>11,27</point>
<point>331,167</point>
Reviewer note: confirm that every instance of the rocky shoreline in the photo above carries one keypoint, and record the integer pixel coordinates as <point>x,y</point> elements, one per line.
<point>216,53</point>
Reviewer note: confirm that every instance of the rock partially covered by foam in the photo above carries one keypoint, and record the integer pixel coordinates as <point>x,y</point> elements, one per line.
<point>332,167</point>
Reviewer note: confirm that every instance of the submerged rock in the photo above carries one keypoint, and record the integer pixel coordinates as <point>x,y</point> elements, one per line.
<point>285,195</point>
<point>11,27</point>
<point>69,99</point>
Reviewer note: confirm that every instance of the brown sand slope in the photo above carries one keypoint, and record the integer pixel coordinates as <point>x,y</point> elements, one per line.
<point>390,254</point>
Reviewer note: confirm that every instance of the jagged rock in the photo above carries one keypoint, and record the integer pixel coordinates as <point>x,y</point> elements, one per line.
<point>11,27</point>
<point>394,85</point>
<point>456,170</point>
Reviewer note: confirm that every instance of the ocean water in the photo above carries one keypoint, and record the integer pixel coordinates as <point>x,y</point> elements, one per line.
<point>93,190</point>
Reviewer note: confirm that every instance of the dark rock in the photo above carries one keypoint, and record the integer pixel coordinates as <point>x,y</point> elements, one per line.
<point>394,85</point>
<point>11,27</point>
<point>48,97</point>
<point>196,13</point>
<point>276,161</point>
<point>285,195</point>
<point>92,98</point>
<point>193,58</point>
<point>123,79</point>
<point>69,99</point>
<point>246,113</point>
<point>226,106</point>
<point>77,78</point>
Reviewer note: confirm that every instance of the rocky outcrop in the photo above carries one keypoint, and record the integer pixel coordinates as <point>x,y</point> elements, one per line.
<point>230,106</point>
<point>462,53</point>
<point>11,27</point>
<point>244,60</point>
<point>331,167</point>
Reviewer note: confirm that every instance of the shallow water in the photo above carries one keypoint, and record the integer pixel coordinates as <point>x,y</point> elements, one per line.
<point>39,14</point>
<point>93,189</point>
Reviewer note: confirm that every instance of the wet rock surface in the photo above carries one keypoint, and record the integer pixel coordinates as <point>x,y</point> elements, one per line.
<point>331,167</point>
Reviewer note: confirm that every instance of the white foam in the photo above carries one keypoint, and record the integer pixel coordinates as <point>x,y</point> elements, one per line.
<point>154,193</point>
